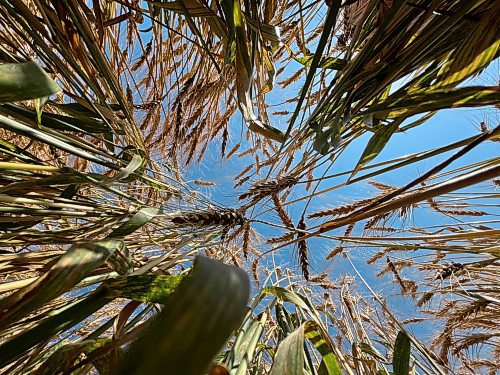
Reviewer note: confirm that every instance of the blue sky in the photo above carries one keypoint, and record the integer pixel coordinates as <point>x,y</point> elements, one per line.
<point>444,128</point>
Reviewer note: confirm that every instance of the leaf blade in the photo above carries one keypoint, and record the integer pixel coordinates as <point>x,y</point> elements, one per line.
<point>202,313</point>
<point>24,81</point>
<point>402,348</point>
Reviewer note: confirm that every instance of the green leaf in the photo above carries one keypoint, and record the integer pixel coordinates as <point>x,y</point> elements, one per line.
<point>65,357</point>
<point>145,288</point>
<point>369,349</point>
<point>289,296</point>
<point>329,364</point>
<point>82,123</point>
<point>244,70</point>
<point>79,261</point>
<point>314,331</point>
<point>327,137</point>
<point>289,358</point>
<point>402,348</point>
<point>39,104</point>
<point>376,144</point>
<point>195,323</point>
<point>478,49</point>
<point>44,137</point>
<point>143,216</point>
<point>242,352</point>
<point>25,81</point>
<point>326,62</point>
<point>433,100</point>
<point>50,182</point>
<point>195,8</point>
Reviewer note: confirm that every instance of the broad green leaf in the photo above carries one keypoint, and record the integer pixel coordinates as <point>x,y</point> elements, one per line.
<point>369,349</point>
<point>315,331</point>
<point>284,321</point>
<point>329,364</point>
<point>475,52</point>
<point>401,358</point>
<point>145,288</point>
<point>195,323</point>
<point>25,81</point>
<point>88,113</point>
<point>242,352</point>
<point>289,358</point>
<point>376,144</point>
<point>140,218</point>
<point>289,296</point>
<point>79,261</point>
<point>326,138</point>
<point>433,100</point>
<point>51,182</point>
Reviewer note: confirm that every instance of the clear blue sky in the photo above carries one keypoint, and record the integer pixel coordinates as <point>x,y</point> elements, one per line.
<point>444,128</point>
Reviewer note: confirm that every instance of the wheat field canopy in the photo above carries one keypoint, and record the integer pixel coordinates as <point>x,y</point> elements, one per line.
<point>261,187</point>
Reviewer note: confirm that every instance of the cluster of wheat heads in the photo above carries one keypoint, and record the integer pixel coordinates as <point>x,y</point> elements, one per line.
<point>103,102</point>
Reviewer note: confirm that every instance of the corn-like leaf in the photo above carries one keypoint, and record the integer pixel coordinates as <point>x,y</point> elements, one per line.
<point>20,128</point>
<point>140,218</point>
<point>60,122</point>
<point>433,100</point>
<point>289,358</point>
<point>314,329</point>
<point>79,261</point>
<point>25,81</point>
<point>369,349</point>
<point>476,51</point>
<point>329,364</point>
<point>243,349</point>
<point>289,296</point>
<point>376,144</point>
<point>290,352</point>
<point>145,288</point>
<point>401,360</point>
<point>196,322</point>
